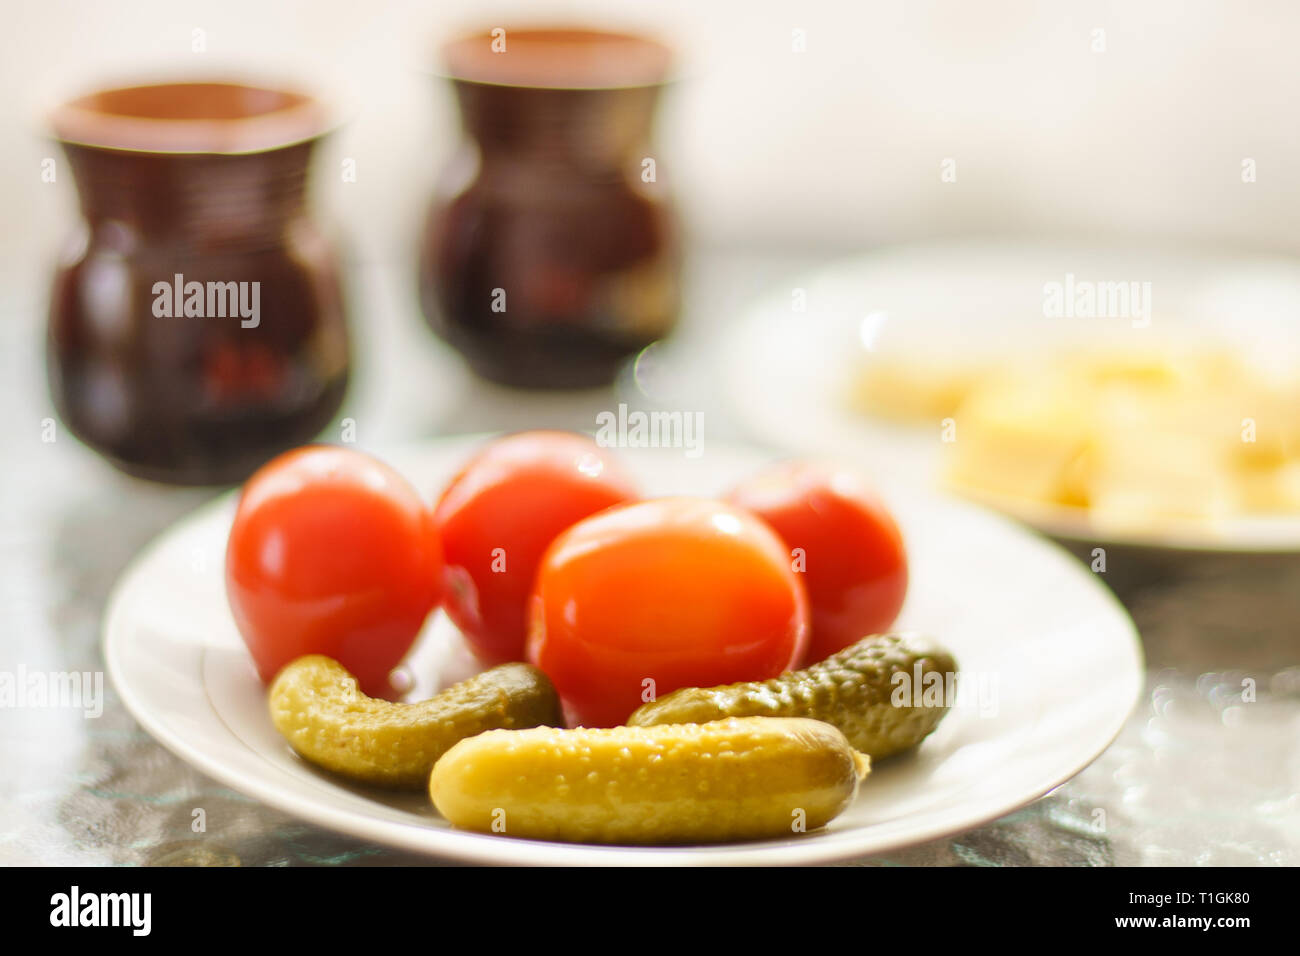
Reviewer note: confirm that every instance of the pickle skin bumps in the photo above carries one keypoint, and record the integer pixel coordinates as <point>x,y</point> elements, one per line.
<point>854,690</point>
<point>320,710</point>
<point>736,779</point>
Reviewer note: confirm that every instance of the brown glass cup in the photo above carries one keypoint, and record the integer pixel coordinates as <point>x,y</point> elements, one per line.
<point>551,253</point>
<point>196,325</point>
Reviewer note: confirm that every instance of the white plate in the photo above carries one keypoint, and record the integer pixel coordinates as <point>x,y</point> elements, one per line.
<point>787,372</point>
<point>1058,657</point>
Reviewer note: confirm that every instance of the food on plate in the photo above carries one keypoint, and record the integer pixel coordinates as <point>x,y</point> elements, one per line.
<point>875,692</point>
<point>845,545</point>
<point>693,610</point>
<point>739,779</point>
<point>332,552</point>
<point>318,707</point>
<point>497,517</point>
<point>912,388</point>
<point>1136,438</point>
<point>647,597</point>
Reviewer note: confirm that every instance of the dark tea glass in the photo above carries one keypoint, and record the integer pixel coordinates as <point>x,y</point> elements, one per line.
<point>550,253</point>
<point>196,323</point>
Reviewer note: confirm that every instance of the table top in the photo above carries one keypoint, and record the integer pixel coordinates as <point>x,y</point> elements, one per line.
<point>1206,770</point>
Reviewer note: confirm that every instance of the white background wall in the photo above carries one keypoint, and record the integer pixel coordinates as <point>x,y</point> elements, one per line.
<point>839,145</point>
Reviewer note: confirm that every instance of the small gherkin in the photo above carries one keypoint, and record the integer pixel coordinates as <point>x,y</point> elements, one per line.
<point>748,778</point>
<point>878,692</point>
<point>321,711</point>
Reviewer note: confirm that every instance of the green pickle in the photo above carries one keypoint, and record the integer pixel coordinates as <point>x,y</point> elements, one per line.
<point>319,708</point>
<point>744,779</point>
<point>859,690</point>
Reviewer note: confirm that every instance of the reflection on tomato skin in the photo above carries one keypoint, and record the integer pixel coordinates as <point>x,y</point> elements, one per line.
<point>646,598</point>
<point>332,552</point>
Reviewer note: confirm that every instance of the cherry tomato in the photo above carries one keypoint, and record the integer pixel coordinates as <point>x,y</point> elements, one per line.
<point>334,553</point>
<point>853,561</point>
<point>645,598</point>
<point>497,517</point>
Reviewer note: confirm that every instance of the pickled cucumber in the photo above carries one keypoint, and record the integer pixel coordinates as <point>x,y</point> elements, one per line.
<point>737,779</point>
<point>858,690</point>
<point>319,708</point>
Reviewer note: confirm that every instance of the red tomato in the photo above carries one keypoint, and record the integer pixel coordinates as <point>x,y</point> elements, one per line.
<point>334,553</point>
<point>645,598</point>
<point>497,517</point>
<point>854,563</point>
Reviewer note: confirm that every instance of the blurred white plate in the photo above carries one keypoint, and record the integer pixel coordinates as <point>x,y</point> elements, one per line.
<point>1056,655</point>
<point>788,372</point>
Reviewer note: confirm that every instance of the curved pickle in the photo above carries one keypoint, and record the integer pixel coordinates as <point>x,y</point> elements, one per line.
<point>319,708</point>
<point>854,689</point>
